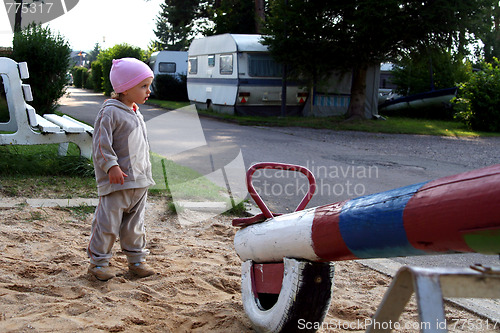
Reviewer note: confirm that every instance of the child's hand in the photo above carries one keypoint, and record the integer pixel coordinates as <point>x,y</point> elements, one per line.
<point>116,175</point>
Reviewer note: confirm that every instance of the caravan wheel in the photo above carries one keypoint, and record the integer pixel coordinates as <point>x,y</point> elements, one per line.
<point>304,297</point>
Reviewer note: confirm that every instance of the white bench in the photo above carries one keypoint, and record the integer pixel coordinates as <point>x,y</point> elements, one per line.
<point>28,127</point>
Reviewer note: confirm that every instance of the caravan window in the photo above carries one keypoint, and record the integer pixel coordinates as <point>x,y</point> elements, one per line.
<point>167,67</point>
<point>263,65</point>
<point>226,64</point>
<point>211,60</point>
<point>193,65</point>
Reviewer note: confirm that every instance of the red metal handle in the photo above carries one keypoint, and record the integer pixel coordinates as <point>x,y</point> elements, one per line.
<point>279,166</point>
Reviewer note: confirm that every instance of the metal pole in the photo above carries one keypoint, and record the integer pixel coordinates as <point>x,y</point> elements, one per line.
<point>283,92</point>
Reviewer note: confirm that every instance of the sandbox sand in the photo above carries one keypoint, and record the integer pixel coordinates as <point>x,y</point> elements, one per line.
<point>44,285</point>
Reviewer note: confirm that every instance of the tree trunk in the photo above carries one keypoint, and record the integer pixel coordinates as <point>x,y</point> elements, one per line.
<point>356,108</point>
<point>260,15</point>
<point>17,20</point>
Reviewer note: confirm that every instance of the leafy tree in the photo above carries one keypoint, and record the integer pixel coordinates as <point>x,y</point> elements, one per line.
<point>47,55</point>
<point>317,37</point>
<point>429,69</point>
<point>490,33</point>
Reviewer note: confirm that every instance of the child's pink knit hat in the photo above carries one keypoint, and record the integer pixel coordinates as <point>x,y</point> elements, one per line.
<point>126,73</point>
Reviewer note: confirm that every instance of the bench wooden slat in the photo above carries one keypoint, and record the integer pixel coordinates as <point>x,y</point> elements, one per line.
<point>46,126</point>
<point>28,95</point>
<point>88,129</point>
<point>31,116</point>
<point>67,125</point>
<point>23,70</point>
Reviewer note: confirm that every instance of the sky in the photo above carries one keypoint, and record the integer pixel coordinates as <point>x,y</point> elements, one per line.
<point>107,22</point>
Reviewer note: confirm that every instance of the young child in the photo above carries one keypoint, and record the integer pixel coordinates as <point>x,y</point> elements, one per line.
<point>123,171</point>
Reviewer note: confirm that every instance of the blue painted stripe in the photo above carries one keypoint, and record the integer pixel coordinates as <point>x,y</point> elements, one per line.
<point>231,82</point>
<point>372,226</point>
<point>263,82</point>
<point>240,82</point>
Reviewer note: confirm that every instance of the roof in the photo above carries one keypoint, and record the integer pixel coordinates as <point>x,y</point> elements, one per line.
<point>227,43</point>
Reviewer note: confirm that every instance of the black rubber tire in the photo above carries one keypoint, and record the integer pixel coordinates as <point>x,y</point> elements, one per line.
<point>303,301</point>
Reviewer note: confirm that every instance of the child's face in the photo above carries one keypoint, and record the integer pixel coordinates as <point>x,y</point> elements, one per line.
<point>138,94</point>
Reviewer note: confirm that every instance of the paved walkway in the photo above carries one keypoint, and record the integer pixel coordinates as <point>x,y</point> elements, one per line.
<point>7,203</point>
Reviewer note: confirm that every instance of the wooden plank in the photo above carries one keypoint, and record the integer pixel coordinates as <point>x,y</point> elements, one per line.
<point>28,95</point>
<point>46,126</point>
<point>87,128</point>
<point>23,70</point>
<point>67,125</point>
<point>31,116</point>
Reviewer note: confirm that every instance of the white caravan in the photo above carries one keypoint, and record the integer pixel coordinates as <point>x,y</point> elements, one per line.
<point>233,73</point>
<point>174,63</point>
<point>169,62</point>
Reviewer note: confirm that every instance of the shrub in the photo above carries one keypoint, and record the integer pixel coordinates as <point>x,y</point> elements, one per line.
<point>97,79</point>
<point>88,84</point>
<point>168,87</point>
<point>478,100</point>
<point>47,55</point>
<point>80,76</point>
<point>116,52</point>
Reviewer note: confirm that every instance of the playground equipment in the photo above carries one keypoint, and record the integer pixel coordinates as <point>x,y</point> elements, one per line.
<point>287,271</point>
<point>26,127</point>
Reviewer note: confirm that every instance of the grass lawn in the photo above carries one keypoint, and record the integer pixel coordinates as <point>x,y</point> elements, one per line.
<point>185,184</point>
<point>37,171</point>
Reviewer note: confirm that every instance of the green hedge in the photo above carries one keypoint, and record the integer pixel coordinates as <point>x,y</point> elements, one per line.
<point>96,77</point>
<point>170,88</point>
<point>478,100</point>
<point>80,76</point>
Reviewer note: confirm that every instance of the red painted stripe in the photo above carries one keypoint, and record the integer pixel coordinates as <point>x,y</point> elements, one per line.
<point>267,278</point>
<point>441,210</point>
<point>327,240</point>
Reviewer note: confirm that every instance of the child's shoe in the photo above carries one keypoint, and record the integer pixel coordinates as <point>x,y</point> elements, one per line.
<point>141,269</point>
<point>103,273</point>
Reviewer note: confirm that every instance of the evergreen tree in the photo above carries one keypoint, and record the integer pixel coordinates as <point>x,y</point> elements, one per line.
<point>92,55</point>
<point>175,24</point>
<point>182,20</point>
<point>234,16</point>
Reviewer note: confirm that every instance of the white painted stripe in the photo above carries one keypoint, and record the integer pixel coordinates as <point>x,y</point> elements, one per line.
<point>283,236</point>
